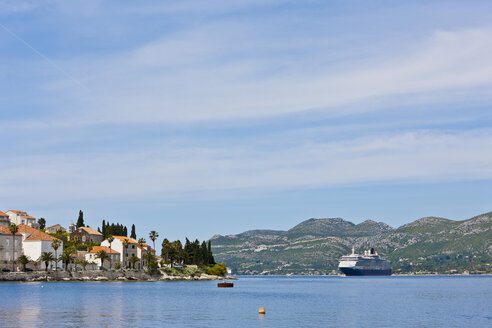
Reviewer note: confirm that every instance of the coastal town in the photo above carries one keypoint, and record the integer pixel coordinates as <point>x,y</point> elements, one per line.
<point>28,245</point>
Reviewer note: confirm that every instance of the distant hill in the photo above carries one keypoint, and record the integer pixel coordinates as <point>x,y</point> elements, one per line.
<point>314,246</point>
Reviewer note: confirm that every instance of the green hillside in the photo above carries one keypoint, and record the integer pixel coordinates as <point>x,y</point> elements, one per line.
<point>314,246</point>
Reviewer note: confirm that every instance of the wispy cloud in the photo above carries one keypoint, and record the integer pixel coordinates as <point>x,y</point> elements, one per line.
<point>414,156</point>
<point>192,76</point>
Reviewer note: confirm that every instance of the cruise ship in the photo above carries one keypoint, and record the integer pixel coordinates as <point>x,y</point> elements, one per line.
<point>368,264</point>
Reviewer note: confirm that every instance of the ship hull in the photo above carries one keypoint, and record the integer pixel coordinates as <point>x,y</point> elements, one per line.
<point>365,272</point>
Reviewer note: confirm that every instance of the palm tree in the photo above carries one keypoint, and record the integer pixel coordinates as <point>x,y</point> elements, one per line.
<point>84,263</point>
<point>133,260</point>
<point>102,255</point>
<point>110,240</point>
<point>24,260</point>
<point>55,244</point>
<point>141,242</point>
<point>46,257</point>
<point>125,243</point>
<point>13,230</point>
<point>153,235</point>
<point>66,257</point>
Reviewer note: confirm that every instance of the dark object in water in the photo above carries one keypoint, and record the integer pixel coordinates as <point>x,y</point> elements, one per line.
<point>225,284</point>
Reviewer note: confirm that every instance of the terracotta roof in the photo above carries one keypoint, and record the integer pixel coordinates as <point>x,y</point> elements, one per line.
<point>5,230</point>
<point>17,212</point>
<point>97,249</point>
<point>91,231</point>
<point>30,217</point>
<point>35,234</point>
<point>3,214</point>
<point>121,238</point>
<point>146,247</point>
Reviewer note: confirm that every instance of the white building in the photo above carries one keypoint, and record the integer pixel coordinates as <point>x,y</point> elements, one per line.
<point>125,252</point>
<point>91,256</point>
<point>21,217</point>
<point>133,249</point>
<point>36,242</point>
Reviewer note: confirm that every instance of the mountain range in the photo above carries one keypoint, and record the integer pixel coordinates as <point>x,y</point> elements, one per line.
<point>427,245</point>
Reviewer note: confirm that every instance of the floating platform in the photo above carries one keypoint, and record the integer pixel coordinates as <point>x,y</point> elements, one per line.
<point>225,284</point>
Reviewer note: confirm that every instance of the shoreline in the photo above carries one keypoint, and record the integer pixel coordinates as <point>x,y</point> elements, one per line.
<point>99,275</point>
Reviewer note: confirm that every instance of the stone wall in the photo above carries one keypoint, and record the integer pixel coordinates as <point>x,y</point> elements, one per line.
<point>97,275</point>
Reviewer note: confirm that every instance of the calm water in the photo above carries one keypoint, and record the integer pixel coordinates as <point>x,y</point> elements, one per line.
<point>289,302</point>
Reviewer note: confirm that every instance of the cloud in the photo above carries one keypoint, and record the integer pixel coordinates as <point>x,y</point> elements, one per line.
<point>212,72</point>
<point>173,170</point>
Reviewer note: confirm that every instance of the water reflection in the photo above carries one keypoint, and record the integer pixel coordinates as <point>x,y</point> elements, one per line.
<point>290,302</point>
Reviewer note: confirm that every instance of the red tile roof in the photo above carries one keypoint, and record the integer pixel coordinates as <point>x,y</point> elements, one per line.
<point>121,238</point>
<point>35,234</point>
<point>97,249</point>
<point>3,214</point>
<point>5,230</point>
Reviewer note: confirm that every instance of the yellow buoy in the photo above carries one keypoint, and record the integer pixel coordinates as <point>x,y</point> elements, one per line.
<point>262,310</point>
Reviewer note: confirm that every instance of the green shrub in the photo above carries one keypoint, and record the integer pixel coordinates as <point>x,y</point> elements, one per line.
<point>217,269</point>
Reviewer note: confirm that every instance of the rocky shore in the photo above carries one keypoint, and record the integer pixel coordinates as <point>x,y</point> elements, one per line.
<point>99,275</point>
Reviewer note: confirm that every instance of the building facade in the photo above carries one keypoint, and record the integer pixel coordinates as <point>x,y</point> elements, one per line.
<point>4,219</point>
<point>55,228</point>
<point>91,256</point>
<point>36,242</point>
<point>86,235</point>
<point>21,217</point>
<point>10,248</point>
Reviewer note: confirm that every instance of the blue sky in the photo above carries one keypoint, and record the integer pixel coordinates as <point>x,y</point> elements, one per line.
<point>202,117</point>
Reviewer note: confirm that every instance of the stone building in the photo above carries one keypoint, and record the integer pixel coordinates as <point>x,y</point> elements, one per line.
<point>85,235</point>
<point>4,219</point>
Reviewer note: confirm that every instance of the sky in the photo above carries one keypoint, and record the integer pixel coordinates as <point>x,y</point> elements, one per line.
<point>196,118</point>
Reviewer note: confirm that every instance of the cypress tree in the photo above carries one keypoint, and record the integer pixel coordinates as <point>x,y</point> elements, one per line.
<point>80,221</point>
<point>210,256</point>
<point>203,253</point>
<point>125,232</point>
<point>104,228</point>
<point>133,234</point>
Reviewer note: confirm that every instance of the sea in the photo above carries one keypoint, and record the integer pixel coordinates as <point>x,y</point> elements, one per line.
<point>396,301</point>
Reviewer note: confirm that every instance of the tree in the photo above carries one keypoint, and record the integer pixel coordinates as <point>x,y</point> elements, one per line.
<point>125,243</point>
<point>133,260</point>
<point>203,253</point>
<point>55,244</point>
<point>42,223</point>
<point>125,231</point>
<point>13,230</point>
<point>46,257</point>
<point>133,234</point>
<point>66,257</point>
<point>141,242</point>
<point>210,257</point>
<point>102,255</point>
<point>84,263</point>
<point>166,245</point>
<point>153,235</point>
<point>217,270</point>
<point>80,221</point>
<point>24,260</point>
<point>110,239</point>
<point>103,228</point>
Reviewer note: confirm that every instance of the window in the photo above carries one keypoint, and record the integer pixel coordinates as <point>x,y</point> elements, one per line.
<point>23,221</point>
<point>133,246</point>
<point>7,242</point>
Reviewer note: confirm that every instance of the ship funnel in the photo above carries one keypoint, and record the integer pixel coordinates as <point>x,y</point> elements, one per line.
<point>372,251</point>
<point>353,250</point>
